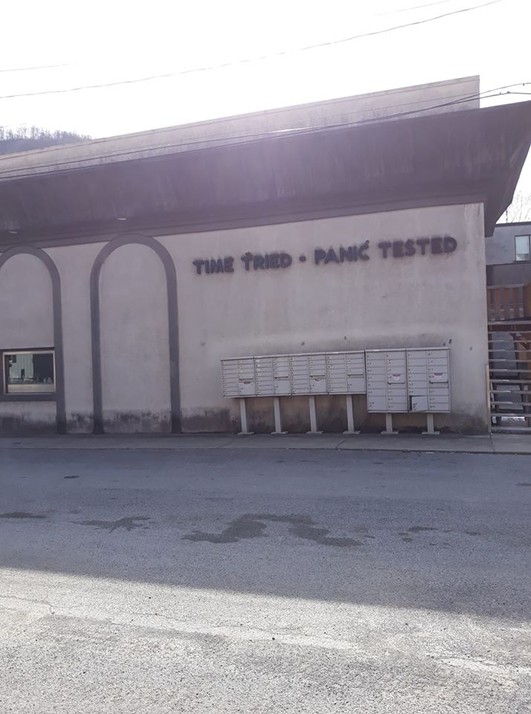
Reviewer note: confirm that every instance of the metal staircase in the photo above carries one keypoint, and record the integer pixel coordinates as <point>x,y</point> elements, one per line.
<point>509,309</point>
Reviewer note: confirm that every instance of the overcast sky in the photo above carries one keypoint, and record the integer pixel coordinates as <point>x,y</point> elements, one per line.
<point>108,41</point>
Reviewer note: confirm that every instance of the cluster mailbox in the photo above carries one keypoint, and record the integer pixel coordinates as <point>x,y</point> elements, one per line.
<point>408,380</point>
<point>298,374</point>
<point>394,380</point>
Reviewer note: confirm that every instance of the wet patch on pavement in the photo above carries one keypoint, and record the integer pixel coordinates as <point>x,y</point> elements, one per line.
<point>254,525</point>
<point>129,524</point>
<point>21,515</point>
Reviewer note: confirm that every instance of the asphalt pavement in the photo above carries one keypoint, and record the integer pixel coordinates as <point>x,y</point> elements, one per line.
<point>236,578</point>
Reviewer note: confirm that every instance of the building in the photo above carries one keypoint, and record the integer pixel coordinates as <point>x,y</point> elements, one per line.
<point>130,267</point>
<point>508,257</point>
<point>508,254</point>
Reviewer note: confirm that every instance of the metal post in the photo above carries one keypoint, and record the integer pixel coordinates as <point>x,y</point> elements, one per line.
<point>430,426</point>
<point>243,419</point>
<point>313,417</point>
<point>389,425</point>
<point>278,420</point>
<point>350,416</point>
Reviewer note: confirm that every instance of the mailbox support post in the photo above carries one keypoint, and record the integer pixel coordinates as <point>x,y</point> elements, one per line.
<point>430,427</point>
<point>389,425</point>
<point>313,417</point>
<point>243,419</point>
<point>278,419</point>
<point>350,416</point>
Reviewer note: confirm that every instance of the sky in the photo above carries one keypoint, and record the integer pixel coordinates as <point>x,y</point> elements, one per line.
<point>260,43</point>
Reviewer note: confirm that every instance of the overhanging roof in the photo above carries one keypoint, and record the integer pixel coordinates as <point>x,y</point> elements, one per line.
<point>455,157</point>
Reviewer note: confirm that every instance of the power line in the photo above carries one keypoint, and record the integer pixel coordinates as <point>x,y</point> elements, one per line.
<point>38,67</point>
<point>261,58</point>
<point>414,7</point>
<point>251,138</point>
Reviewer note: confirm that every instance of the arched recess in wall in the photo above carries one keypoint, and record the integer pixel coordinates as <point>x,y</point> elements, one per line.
<point>96,325</point>
<point>57,325</point>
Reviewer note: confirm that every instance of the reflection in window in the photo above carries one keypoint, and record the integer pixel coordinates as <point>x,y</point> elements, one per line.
<point>522,246</point>
<point>29,372</point>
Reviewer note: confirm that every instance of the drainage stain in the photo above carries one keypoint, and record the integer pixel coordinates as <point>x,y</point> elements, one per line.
<point>20,515</point>
<point>320,535</point>
<point>240,528</point>
<point>524,483</point>
<point>71,477</point>
<point>128,524</point>
<point>420,529</point>
<point>254,525</point>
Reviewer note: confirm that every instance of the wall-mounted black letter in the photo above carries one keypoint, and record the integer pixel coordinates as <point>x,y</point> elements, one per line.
<point>450,244</point>
<point>259,262</point>
<point>384,247</point>
<point>398,249</point>
<point>319,255</point>
<point>436,245</point>
<point>350,253</point>
<point>422,242</point>
<point>409,247</point>
<point>331,256</point>
<point>198,265</point>
<point>246,259</point>
<point>285,260</point>
<point>362,251</point>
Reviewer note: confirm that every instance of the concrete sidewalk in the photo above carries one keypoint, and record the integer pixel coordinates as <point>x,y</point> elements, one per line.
<point>483,444</point>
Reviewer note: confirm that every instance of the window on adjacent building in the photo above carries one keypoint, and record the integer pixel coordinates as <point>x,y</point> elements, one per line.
<point>522,245</point>
<point>29,372</point>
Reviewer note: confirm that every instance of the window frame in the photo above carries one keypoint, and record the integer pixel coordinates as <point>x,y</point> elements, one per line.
<point>27,394</point>
<point>516,258</point>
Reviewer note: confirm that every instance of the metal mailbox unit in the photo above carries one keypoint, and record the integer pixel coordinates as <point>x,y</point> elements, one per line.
<point>311,374</point>
<point>396,381</point>
<point>408,380</point>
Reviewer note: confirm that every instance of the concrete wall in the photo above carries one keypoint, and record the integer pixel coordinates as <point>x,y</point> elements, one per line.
<point>411,301</point>
<point>134,341</point>
<point>420,300</point>
<point>26,321</point>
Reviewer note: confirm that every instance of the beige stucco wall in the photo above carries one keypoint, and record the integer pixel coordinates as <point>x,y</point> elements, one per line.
<point>25,304</point>
<point>26,321</point>
<point>411,301</point>
<point>134,341</point>
<point>428,300</point>
<point>74,265</point>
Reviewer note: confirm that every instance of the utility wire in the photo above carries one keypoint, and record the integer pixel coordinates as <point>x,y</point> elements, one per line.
<point>38,67</point>
<point>261,58</point>
<point>414,7</point>
<point>252,138</point>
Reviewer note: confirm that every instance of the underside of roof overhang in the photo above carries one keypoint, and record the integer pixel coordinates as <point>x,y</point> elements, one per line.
<point>465,156</point>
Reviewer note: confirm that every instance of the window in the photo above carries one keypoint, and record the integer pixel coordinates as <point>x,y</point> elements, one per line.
<point>522,246</point>
<point>31,372</point>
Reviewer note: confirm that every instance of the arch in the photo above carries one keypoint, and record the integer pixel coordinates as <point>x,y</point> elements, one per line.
<point>173,327</point>
<point>57,325</point>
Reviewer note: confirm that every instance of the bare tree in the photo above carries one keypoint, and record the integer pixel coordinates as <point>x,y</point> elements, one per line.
<point>520,208</point>
<point>28,138</point>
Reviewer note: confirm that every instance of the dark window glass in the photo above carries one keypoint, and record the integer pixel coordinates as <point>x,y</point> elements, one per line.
<point>29,372</point>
